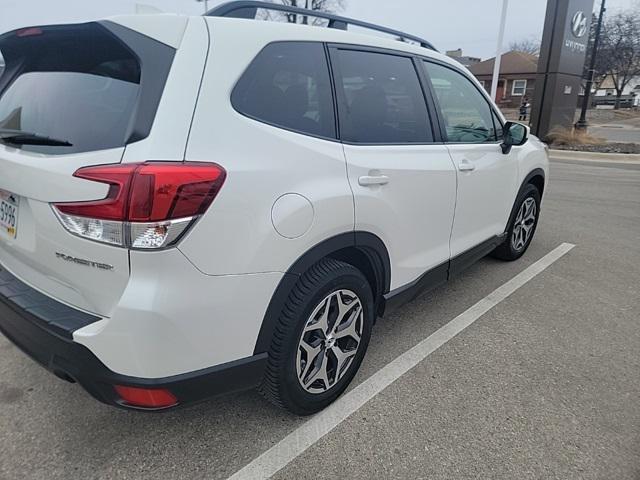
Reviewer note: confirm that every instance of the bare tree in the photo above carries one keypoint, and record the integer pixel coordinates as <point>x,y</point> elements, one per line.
<point>529,46</point>
<point>619,53</point>
<point>332,6</point>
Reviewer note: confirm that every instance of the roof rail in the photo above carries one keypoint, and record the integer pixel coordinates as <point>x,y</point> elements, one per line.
<point>249,9</point>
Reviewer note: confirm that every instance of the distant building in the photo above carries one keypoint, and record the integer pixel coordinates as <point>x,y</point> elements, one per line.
<point>517,77</point>
<point>464,60</point>
<point>605,94</point>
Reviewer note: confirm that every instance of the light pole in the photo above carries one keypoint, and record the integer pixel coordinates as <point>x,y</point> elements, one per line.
<point>582,123</point>
<point>496,64</point>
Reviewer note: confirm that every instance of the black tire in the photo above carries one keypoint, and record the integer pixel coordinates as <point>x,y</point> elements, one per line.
<point>280,384</point>
<point>507,251</point>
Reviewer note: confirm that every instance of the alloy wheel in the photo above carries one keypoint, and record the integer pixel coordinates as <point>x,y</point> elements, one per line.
<point>524,223</point>
<point>330,341</point>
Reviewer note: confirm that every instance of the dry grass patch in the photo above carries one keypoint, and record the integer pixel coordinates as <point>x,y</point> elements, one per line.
<point>572,137</point>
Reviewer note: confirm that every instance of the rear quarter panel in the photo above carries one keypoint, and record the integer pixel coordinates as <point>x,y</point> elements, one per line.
<point>263,163</point>
<point>168,137</point>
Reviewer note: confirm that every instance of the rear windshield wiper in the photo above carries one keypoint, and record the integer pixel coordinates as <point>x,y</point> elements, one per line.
<point>19,137</point>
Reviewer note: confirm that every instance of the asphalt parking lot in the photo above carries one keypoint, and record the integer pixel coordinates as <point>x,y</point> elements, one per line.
<point>546,384</point>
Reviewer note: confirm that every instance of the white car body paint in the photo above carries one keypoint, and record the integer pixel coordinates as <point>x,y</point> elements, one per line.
<point>202,303</point>
<point>412,214</point>
<point>177,319</point>
<point>292,215</point>
<point>485,194</point>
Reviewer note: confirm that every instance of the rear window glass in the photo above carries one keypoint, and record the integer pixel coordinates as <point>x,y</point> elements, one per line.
<point>288,85</point>
<point>83,95</point>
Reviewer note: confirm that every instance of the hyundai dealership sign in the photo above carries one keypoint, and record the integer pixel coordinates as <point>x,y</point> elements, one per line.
<point>579,24</point>
<point>562,56</point>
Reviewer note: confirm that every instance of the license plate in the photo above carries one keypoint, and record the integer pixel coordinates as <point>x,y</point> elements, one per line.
<point>8,214</point>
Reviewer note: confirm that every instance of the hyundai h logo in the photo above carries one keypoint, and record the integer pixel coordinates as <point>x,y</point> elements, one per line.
<point>579,25</point>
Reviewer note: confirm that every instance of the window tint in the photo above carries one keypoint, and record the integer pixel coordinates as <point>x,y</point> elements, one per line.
<point>383,99</point>
<point>467,114</point>
<point>288,85</point>
<point>89,111</point>
<point>84,94</point>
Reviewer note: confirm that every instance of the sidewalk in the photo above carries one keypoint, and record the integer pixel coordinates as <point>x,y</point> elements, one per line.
<point>616,132</point>
<point>570,155</point>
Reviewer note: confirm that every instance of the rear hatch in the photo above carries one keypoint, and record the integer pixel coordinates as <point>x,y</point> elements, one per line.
<point>71,96</point>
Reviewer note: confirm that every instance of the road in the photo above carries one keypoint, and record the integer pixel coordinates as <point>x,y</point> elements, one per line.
<point>546,384</point>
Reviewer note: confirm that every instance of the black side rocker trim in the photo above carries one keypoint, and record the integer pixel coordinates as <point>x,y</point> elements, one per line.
<point>466,259</point>
<point>445,272</point>
<point>426,282</point>
<point>76,363</point>
<point>440,274</point>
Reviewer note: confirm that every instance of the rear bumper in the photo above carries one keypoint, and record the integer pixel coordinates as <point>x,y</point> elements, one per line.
<point>51,347</point>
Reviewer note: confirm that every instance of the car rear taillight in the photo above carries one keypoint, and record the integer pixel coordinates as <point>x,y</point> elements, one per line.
<point>148,205</point>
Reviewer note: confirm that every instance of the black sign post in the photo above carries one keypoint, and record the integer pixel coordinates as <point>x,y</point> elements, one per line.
<point>562,56</point>
<point>581,124</point>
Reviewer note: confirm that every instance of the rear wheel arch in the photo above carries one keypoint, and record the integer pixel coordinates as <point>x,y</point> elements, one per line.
<point>363,250</point>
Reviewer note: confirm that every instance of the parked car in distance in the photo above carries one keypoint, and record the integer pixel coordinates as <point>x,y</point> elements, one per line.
<point>197,205</point>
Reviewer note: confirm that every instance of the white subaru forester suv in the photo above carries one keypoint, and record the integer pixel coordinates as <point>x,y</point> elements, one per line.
<point>197,205</point>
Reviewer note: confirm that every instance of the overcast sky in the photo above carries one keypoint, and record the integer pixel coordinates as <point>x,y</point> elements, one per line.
<point>468,24</point>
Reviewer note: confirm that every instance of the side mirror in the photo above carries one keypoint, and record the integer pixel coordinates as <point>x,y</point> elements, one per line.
<point>515,134</point>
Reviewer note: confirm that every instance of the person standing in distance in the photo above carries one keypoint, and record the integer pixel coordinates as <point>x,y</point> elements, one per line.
<point>524,110</point>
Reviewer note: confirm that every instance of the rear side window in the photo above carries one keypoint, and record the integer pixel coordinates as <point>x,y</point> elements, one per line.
<point>466,113</point>
<point>79,85</point>
<point>382,99</point>
<point>288,85</point>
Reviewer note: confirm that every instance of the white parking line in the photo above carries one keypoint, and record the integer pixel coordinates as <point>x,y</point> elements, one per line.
<point>294,444</point>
